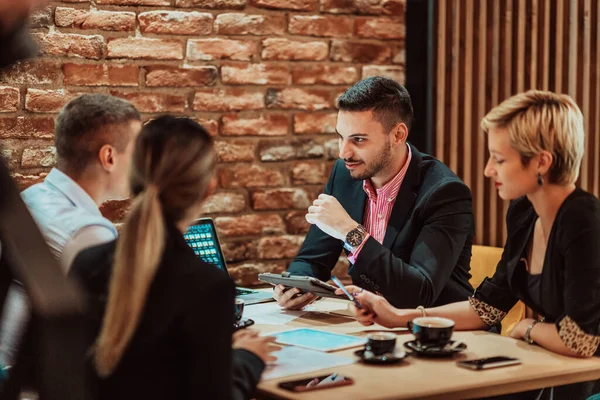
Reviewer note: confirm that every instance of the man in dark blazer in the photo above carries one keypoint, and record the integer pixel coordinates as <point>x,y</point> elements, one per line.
<point>403,218</point>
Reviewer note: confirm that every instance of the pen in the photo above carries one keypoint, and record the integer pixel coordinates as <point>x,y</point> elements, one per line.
<point>350,297</point>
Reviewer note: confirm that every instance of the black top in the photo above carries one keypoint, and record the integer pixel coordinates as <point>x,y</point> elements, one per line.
<point>533,289</point>
<point>569,288</point>
<point>426,251</point>
<point>182,346</point>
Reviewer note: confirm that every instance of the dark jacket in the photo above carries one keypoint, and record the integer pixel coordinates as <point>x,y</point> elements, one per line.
<point>182,346</point>
<point>426,251</point>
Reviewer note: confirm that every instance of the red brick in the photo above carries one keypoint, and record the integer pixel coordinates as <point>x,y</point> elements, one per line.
<point>239,250</point>
<point>278,247</point>
<point>24,181</point>
<point>250,176</point>
<point>298,5</point>
<point>360,52</point>
<point>210,125</point>
<point>324,74</point>
<point>235,151</point>
<point>280,199</point>
<point>41,18</point>
<point>338,6</point>
<point>176,22</point>
<point>115,210</point>
<point>216,49</point>
<point>90,19</point>
<point>253,224</point>
<point>71,45</point>
<point>213,4</point>
<point>312,123</point>
<point>302,99</point>
<point>381,7</point>
<point>305,173</point>
<point>246,274</point>
<point>255,74</point>
<point>153,102</point>
<point>224,202</point>
<point>145,48</point>
<point>47,101</point>
<point>392,72</point>
<point>327,26</point>
<point>136,2</point>
<point>9,99</point>
<point>296,223</point>
<point>100,75</point>
<point>289,150</point>
<point>265,125</point>
<point>228,99</point>
<point>332,149</point>
<point>38,72</point>
<point>247,24</point>
<point>26,128</point>
<point>400,57</point>
<point>181,77</point>
<point>284,49</point>
<point>380,28</point>
<point>44,157</point>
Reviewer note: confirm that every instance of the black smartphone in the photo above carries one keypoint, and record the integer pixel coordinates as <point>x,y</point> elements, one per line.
<point>489,362</point>
<point>316,383</point>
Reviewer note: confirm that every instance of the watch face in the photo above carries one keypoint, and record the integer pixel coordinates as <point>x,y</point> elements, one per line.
<point>354,237</point>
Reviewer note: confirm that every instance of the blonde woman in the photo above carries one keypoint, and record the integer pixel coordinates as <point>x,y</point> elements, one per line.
<point>551,259</point>
<point>164,317</point>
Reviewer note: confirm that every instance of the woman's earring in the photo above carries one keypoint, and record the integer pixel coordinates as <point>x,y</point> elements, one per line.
<point>540,179</point>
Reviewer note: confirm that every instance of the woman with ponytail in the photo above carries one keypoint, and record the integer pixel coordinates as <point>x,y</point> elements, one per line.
<point>164,318</point>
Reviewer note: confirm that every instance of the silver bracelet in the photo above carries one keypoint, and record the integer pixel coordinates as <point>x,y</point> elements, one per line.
<point>423,312</point>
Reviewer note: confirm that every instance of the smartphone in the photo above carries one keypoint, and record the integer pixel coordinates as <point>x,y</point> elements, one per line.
<point>316,383</point>
<point>490,362</point>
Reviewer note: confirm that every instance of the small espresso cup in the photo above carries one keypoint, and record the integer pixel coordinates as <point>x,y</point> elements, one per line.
<point>380,343</point>
<point>238,309</point>
<point>431,330</point>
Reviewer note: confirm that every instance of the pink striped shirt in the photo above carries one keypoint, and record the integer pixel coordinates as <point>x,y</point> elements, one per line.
<point>379,207</point>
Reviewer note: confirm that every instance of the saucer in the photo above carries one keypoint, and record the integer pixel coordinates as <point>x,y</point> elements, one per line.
<point>434,350</point>
<point>388,358</point>
<point>244,323</point>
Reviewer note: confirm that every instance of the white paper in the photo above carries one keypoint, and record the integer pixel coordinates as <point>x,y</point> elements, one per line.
<point>270,314</point>
<point>293,360</point>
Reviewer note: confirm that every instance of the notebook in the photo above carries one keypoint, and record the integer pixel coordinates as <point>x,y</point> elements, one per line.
<point>202,238</point>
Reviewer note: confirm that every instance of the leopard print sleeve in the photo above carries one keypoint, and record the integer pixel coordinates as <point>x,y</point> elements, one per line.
<point>576,339</point>
<point>489,315</point>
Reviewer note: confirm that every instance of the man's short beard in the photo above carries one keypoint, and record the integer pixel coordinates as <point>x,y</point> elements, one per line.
<point>376,166</point>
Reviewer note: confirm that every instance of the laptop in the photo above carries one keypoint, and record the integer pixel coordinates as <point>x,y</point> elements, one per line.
<point>202,238</point>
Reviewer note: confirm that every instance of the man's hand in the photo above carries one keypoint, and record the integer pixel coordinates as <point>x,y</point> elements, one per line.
<point>329,215</point>
<point>262,346</point>
<point>291,298</point>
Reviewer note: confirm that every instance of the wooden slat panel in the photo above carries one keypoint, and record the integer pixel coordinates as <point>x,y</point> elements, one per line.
<point>489,50</point>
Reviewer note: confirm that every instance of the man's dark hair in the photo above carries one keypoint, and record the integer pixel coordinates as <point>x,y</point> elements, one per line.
<point>389,101</point>
<point>87,123</point>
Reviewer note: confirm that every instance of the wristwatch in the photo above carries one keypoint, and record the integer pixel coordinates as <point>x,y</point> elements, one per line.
<point>527,336</point>
<point>355,237</point>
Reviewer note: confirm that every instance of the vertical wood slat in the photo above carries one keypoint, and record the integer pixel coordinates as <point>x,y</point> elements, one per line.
<point>488,51</point>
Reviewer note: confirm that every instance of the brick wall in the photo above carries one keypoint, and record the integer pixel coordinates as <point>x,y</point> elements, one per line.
<point>261,75</point>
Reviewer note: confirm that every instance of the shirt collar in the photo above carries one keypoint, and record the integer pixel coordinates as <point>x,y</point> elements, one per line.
<point>390,189</point>
<point>72,191</point>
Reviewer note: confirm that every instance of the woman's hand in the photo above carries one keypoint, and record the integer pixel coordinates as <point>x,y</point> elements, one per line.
<point>376,309</point>
<point>518,332</point>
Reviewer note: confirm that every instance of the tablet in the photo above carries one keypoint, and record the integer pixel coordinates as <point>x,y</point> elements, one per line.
<point>304,283</point>
<point>318,340</point>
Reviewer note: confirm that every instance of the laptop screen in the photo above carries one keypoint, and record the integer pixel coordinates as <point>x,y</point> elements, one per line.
<point>202,238</point>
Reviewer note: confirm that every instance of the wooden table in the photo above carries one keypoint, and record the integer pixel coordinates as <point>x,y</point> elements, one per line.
<point>432,378</point>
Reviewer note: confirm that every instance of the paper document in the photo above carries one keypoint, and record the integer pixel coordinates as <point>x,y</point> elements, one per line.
<point>271,314</point>
<point>293,360</point>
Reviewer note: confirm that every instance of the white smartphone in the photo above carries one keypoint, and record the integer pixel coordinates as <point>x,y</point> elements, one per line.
<point>489,362</point>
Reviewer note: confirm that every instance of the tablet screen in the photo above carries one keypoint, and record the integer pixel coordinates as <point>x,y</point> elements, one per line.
<point>318,340</point>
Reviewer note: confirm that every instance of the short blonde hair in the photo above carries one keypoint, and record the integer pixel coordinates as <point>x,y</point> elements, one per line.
<point>543,121</point>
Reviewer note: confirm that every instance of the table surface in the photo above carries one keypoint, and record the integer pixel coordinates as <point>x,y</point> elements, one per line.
<point>417,377</point>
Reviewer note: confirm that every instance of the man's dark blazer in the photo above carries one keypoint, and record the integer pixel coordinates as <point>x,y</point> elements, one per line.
<point>426,251</point>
